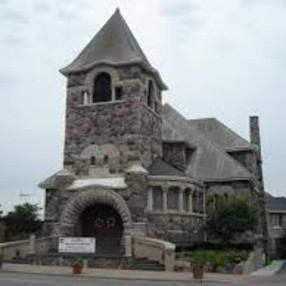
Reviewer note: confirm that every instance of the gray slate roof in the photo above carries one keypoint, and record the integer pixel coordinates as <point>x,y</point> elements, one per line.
<point>161,168</point>
<point>115,45</point>
<point>209,162</point>
<point>276,204</point>
<point>221,134</point>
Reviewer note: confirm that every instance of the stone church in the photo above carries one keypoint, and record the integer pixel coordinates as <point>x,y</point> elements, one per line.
<point>133,166</point>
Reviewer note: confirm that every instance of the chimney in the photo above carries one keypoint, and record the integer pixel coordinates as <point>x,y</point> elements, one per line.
<point>255,133</point>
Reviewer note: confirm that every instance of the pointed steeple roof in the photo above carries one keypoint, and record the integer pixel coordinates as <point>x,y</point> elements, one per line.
<point>115,45</point>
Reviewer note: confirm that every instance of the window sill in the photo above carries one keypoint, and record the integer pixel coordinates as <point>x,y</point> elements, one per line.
<point>276,227</point>
<point>176,213</point>
<point>102,103</point>
<point>152,110</point>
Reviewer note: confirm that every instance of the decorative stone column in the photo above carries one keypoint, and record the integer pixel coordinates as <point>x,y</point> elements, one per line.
<point>150,199</point>
<point>191,201</point>
<point>164,198</point>
<point>181,198</point>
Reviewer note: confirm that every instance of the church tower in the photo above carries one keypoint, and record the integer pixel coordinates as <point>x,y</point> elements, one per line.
<point>114,105</point>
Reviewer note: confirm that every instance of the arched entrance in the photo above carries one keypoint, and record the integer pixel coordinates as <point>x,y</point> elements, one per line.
<point>94,211</point>
<point>105,224</point>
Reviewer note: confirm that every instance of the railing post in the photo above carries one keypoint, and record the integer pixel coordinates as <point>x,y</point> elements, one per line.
<point>32,244</point>
<point>128,246</point>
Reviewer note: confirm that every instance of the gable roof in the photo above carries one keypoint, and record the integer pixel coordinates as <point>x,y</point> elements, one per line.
<point>276,204</point>
<point>114,44</point>
<point>209,162</point>
<point>161,168</point>
<point>221,134</point>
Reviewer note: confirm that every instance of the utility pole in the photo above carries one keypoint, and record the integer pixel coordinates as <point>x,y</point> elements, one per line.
<point>25,196</point>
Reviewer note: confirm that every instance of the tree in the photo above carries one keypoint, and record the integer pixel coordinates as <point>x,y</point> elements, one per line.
<point>230,218</point>
<point>23,220</point>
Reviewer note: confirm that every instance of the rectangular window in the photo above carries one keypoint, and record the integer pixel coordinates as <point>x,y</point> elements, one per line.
<point>118,93</point>
<point>173,199</point>
<point>276,220</point>
<point>186,201</point>
<point>157,200</point>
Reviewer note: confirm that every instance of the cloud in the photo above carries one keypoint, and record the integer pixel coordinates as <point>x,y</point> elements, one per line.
<point>220,58</point>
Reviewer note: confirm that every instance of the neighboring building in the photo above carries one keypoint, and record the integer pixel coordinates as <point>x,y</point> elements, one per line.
<point>2,231</point>
<point>276,215</point>
<point>131,165</point>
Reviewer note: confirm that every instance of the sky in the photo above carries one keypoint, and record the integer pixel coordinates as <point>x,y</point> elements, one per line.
<point>219,58</point>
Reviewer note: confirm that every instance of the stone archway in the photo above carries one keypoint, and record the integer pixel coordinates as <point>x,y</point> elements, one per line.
<point>79,202</point>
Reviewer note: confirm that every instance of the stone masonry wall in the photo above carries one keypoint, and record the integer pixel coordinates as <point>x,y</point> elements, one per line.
<point>163,226</point>
<point>247,159</point>
<point>174,154</point>
<point>231,189</point>
<point>124,123</point>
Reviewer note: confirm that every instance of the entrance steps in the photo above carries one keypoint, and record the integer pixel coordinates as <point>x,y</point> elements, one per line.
<point>91,261</point>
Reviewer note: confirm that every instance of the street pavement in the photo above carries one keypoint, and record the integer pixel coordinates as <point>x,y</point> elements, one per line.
<point>24,275</point>
<point>282,271</point>
<point>21,279</point>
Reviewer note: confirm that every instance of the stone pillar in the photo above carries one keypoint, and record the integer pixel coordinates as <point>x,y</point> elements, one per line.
<point>181,198</point>
<point>191,201</point>
<point>164,199</point>
<point>128,246</point>
<point>32,243</point>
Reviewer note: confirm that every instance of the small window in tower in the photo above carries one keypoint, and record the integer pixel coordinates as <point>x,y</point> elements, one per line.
<point>150,95</point>
<point>118,93</point>
<point>105,159</point>
<point>102,88</point>
<point>92,161</point>
<point>85,96</point>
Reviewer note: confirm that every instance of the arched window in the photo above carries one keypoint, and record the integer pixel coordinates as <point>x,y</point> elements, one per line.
<point>92,161</point>
<point>102,88</point>
<point>105,159</point>
<point>150,95</point>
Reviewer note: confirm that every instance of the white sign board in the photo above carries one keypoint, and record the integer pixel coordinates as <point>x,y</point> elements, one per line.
<point>77,244</point>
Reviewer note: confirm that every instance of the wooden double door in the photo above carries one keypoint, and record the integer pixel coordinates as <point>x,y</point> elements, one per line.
<point>105,224</point>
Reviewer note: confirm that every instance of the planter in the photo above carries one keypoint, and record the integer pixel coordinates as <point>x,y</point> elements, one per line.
<point>198,272</point>
<point>77,269</point>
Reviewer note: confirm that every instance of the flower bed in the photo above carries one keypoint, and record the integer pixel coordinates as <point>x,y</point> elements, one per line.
<point>218,260</point>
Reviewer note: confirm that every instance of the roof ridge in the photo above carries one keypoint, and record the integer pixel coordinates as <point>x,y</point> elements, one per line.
<point>245,144</point>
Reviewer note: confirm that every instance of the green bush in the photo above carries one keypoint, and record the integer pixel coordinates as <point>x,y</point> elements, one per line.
<point>218,258</point>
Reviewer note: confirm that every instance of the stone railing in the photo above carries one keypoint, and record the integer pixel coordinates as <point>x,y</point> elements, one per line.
<point>16,249</point>
<point>21,248</point>
<point>154,249</point>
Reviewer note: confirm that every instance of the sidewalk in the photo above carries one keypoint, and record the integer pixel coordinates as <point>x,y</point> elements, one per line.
<point>271,269</point>
<point>138,275</point>
<point>120,273</point>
